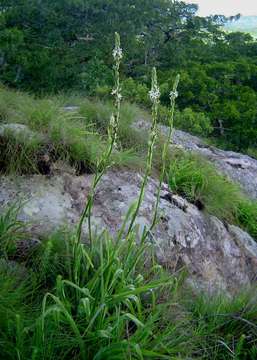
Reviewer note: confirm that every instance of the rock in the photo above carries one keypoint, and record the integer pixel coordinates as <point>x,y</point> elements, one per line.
<point>19,130</point>
<point>71,108</point>
<point>216,256</point>
<point>238,167</point>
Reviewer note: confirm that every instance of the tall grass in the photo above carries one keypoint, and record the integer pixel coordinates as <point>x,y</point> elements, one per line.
<point>11,230</point>
<point>116,309</point>
<point>120,307</point>
<point>77,137</point>
<point>198,181</point>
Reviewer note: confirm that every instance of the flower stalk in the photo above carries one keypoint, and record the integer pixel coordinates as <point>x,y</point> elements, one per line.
<point>104,161</point>
<point>154,95</point>
<point>173,96</point>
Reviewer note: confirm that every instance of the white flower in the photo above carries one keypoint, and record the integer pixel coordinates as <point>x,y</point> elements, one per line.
<point>154,94</point>
<point>112,121</point>
<point>115,92</point>
<point>173,95</point>
<point>117,53</point>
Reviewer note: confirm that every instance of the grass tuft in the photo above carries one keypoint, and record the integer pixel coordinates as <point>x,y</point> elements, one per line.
<point>78,137</point>
<point>200,183</point>
<point>11,230</point>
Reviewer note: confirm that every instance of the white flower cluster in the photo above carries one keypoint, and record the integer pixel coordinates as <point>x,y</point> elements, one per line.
<point>112,121</point>
<point>117,53</point>
<point>173,95</point>
<point>154,94</point>
<point>115,92</point>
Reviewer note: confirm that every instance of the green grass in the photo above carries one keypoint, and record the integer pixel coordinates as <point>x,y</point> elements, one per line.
<point>77,137</point>
<point>11,230</point>
<point>252,152</point>
<point>104,304</point>
<point>247,216</point>
<point>20,154</point>
<point>225,328</point>
<point>200,183</point>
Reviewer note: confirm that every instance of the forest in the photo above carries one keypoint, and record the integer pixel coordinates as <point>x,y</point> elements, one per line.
<point>58,46</point>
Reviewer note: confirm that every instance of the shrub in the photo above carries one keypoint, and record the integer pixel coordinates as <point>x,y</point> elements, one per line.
<point>103,92</point>
<point>95,74</point>
<point>134,91</point>
<point>163,115</point>
<point>194,122</point>
<point>252,152</point>
<point>187,120</point>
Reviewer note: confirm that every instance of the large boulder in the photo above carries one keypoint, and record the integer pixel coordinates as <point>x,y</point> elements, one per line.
<point>238,167</point>
<point>216,256</point>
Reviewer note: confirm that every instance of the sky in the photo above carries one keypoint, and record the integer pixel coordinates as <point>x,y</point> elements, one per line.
<point>226,7</point>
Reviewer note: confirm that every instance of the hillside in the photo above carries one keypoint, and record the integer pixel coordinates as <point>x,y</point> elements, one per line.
<point>128,182</point>
<point>198,255</point>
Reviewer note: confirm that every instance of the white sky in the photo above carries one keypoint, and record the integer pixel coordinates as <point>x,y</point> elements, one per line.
<point>226,7</point>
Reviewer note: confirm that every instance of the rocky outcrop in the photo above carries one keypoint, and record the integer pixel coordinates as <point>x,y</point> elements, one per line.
<point>238,167</point>
<point>215,255</point>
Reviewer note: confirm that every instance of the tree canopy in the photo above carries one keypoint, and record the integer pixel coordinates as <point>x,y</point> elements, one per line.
<point>50,46</point>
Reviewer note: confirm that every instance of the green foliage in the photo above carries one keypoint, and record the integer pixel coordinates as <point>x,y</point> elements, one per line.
<point>94,76</point>
<point>247,216</point>
<point>11,230</point>
<point>78,137</point>
<point>252,152</point>
<point>116,310</point>
<point>98,113</point>
<point>15,296</point>
<point>20,152</point>
<point>193,122</point>
<point>103,92</point>
<point>226,95</point>
<point>103,313</point>
<point>134,91</point>
<point>227,326</point>
<point>188,120</point>
<point>58,46</point>
<point>197,180</point>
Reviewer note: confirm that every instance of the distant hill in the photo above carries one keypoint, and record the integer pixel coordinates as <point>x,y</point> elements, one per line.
<point>245,24</point>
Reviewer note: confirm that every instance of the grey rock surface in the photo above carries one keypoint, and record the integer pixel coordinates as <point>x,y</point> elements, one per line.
<point>216,256</point>
<point>238,167</point>
<point>19,130</point>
